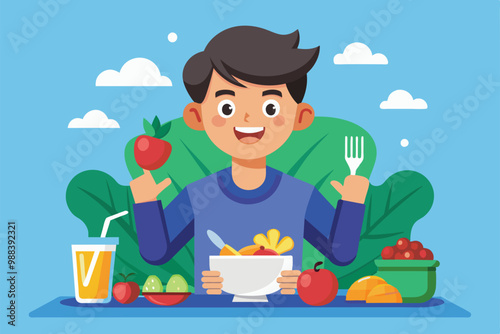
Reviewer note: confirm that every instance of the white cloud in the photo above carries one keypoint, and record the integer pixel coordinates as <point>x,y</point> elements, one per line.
<point>135,72</point>
<point>93,119</point>
<point>401,99</point>
<point>359,54</point>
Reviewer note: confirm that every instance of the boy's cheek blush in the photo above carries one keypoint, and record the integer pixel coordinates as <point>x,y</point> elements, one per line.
<point>279,120</point>
<point>218,121</point>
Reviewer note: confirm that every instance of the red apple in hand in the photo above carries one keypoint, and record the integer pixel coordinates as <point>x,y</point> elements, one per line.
<point>150,151</point>
<point>317,286</point>
<point>126,292</point>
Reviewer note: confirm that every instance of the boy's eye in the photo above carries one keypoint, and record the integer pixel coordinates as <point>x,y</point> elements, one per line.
<point>271,108</point>
<point>226,108</point>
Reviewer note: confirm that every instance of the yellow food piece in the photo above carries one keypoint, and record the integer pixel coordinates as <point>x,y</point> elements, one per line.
<point>273,236</point>
<point>360,289</point>
<point>228,250</point>
<point>384,293</point>
<point>286,244</point>
<point>271,241</point>
<point>261,240</point>
<point>249,250</point>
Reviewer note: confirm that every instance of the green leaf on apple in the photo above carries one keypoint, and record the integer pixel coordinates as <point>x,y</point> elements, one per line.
<point>148,128</point>
<point>156,124</point>
<point>163,130</point>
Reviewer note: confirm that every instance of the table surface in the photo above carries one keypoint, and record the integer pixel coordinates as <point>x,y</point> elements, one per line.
<point>222,306</point>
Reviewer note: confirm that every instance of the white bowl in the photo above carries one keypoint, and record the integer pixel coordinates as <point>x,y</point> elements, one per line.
<point>250,277</point>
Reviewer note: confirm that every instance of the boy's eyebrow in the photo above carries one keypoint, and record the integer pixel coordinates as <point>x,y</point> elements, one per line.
<point>224,92</point>
<point>272,92</point>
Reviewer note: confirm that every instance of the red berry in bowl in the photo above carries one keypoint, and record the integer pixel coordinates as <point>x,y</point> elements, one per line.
<point>402,244</point>
<point>408,255</point>
<point>416,246</point>
<point>398,256</point>
<point>426,254</point>
<point>387,252</point>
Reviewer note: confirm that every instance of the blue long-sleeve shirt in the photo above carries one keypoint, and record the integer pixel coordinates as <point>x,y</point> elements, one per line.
<point>295,208</point>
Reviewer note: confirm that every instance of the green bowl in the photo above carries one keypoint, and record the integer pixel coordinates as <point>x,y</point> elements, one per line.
<point>414,279</point>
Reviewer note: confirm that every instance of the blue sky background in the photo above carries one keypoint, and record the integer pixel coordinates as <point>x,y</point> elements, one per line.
<point>436,50</point>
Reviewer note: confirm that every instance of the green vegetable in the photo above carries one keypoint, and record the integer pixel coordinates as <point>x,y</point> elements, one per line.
<point>314,155</point>
<point>177,283</point>
<point>152,284</point>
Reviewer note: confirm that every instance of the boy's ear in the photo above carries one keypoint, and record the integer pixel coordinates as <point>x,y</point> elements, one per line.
<point>304,116</point>
<point>192,116</point>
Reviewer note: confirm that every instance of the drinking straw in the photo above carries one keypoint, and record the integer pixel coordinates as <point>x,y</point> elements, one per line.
<point>95,256</point>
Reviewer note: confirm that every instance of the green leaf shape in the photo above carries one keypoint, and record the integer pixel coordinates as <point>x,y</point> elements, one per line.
<point>92,196</point>
<point>163,130</point>
<point>314,155</point>
<point>148,128</point>
<point>156,124</point>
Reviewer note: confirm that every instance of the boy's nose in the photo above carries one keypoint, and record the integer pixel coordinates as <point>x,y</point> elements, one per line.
<point>246,117</point>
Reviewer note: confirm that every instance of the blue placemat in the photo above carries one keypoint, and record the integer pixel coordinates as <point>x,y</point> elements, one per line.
<point>222,306</point>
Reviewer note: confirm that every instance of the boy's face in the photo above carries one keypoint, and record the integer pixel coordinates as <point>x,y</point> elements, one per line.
<point>247,122</point>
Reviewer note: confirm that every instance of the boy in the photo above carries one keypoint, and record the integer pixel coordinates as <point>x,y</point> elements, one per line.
<point>247,88</point>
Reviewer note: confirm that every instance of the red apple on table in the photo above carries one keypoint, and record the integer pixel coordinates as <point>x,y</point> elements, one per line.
<point>317,287</point>
<point>150,151</point>
<point>126,292</point>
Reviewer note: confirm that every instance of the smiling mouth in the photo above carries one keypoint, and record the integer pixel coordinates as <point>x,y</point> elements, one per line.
<point>249,135</point>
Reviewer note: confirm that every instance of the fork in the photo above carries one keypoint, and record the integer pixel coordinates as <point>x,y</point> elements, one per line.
<point>354,160</point>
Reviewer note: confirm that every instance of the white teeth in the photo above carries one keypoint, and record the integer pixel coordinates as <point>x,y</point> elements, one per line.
<point>249,129</point>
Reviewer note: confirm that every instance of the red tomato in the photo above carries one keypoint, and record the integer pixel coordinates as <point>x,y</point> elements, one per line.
<point>402,244</point>
<point>416,246</point>
<point>126,292</point>
<point>426,254</point>
<point>151,153</point>
<point>317,287</point>
<point>388,252</point>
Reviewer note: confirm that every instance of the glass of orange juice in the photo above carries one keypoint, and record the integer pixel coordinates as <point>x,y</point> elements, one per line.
<point>93,263</point>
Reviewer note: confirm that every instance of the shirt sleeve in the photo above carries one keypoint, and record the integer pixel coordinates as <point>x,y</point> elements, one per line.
<point>162,233</point>
<point>335,233</point>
